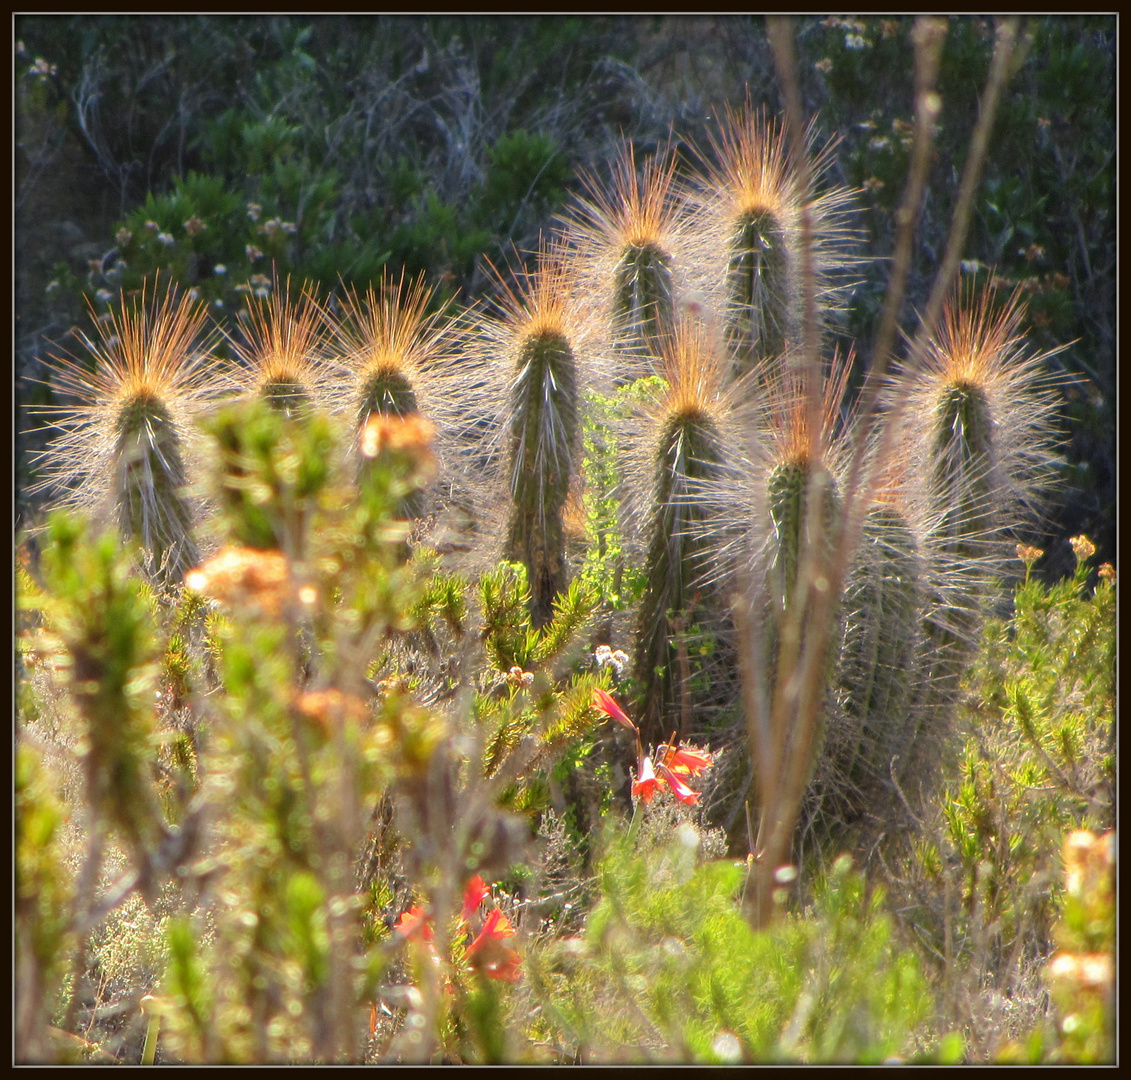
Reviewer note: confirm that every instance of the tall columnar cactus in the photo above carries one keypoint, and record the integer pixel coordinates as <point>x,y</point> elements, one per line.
<point>753,202</point>
<point>979,411</point>
<point>125,445</point>
<point>635,248</point>
<point>786,505</point>
<point>983,451</point>
<point>686,458</point>
<point>281,347</point>
<point>535,352</point>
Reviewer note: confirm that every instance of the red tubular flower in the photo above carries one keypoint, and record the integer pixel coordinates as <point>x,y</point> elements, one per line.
<point>496,926</point>
<point>646,784</point>
<point>679,789</point>
<point>414,923</point>
<point>474,895</point>
<point>604,701</point>
<point>488,955</point>
<point>686,761</point>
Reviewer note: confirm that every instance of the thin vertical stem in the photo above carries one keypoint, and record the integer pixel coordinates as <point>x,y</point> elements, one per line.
<point>782,753</point>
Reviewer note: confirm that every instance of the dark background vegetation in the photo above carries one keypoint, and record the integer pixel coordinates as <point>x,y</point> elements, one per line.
<point>332,146</point>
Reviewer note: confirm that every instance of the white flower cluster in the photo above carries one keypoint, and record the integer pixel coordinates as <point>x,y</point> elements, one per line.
<point>617,660</point>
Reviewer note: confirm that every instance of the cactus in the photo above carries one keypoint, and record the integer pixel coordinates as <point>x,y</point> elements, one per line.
<point>981,457</point>
<point>125,447</point>
<point>534,353</point>
<point>686,456</point>
<point>392,350</point>
<point>752,202</point>
<point>390,344</point>
<point>636,251</point>
<point>543,433</point>
<point>983,451</point>
<point>879,664</point>
<point>281,349</point>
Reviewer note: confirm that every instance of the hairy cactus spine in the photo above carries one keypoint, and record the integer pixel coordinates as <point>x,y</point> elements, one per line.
<point>752,201</point>
<point>979,414</point>
<point>390,347</point>
<point>637,252</point>
<point>281,349</point>
<point>389,341</point>
<point>983,451</point>
<point>878,667</point>
<point>128,438</point>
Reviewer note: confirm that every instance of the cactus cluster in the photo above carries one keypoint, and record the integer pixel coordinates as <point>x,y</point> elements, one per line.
<point>736,480</point>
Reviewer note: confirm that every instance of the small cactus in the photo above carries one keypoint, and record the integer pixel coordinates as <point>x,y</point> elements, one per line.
<point>752,202</point>
<point>982,454</point>
<point>392,350</point>
<point>389,344</point>
<point>282,349</point>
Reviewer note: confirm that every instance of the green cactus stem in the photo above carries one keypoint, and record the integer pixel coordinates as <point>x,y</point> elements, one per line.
<point>388,392</point>
<point>689,452</point>
<point>287,397</point>
<point>643,297</point>
<point>878,664</point>
<point>758,288</point>
<point>149,487</point>
<point>961,486</point>
<point>544,431</point>
<point>788,489</point>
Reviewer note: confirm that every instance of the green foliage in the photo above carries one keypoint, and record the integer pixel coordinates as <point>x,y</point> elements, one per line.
<point>668,968</point>
<point>605,567</point>
<point>44,892</point>
<point>1042,759</point>
<point>103,615</point>
<point>523,168</point>
<point>1038,762</point>
<point>344,726</point>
